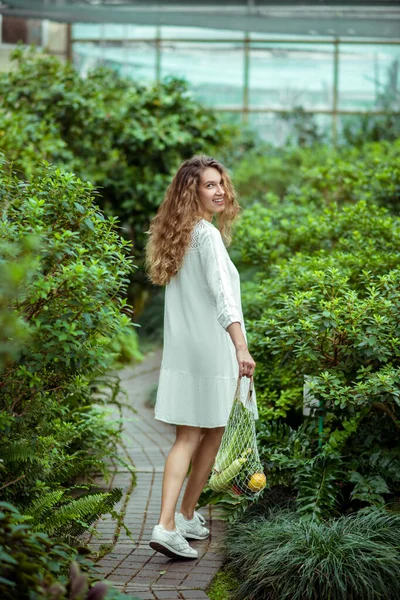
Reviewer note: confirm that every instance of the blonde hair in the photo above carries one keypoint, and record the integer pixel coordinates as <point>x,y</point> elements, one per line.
<point>171,228</point>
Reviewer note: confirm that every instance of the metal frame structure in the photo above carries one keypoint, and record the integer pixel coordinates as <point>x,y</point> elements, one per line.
<point>313,17</point>
<point>313,22</point>
<point>246,109</point>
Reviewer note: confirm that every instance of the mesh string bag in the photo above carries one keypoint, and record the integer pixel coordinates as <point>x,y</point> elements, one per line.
<point>237,466</point>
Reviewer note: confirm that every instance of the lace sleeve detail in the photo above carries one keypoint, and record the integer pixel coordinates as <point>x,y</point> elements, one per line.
<point>195,239</point>
<point>214,260</point>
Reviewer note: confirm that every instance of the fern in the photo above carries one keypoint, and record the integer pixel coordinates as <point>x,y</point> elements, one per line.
<point>275,434</point>
<point>318,484</point>
<point>75,516</point>
<point>19,451</point>
<point>40,508</point>
<point>72,468</point>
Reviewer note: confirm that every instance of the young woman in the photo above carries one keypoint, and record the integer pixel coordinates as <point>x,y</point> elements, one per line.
<point>205,347</point>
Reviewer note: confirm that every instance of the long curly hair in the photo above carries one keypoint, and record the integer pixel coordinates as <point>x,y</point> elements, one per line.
<point>171,228</point>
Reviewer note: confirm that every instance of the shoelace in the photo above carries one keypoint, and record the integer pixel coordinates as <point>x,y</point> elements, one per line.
<point>200,517</point>
<point>184,541</point>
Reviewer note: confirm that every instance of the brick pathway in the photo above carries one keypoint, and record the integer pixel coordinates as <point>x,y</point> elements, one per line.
<point>131,565</point>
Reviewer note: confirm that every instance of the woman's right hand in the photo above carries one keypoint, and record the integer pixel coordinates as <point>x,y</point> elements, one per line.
<point>245,362</point>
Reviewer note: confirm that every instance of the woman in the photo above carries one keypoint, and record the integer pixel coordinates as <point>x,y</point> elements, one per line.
<point>205,347</point>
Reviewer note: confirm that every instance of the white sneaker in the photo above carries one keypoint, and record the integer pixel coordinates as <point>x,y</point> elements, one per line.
<point>192,529</point>
<point>171,543</point>
<point>200,517</point>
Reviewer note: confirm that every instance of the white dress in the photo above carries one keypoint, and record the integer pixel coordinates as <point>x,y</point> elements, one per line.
<point>199,369</point>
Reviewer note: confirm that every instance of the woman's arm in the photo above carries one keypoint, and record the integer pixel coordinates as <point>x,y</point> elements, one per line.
<point>244,358</point>
<point>215,267</point>
<point>212,254</point>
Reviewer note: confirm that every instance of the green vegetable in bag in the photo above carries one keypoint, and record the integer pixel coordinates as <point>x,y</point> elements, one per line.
<point>240,440</point>
<point>220,481</point>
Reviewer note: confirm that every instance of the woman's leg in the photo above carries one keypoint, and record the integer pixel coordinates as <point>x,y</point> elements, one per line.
<point>202,463</point>
<point>175,471</point>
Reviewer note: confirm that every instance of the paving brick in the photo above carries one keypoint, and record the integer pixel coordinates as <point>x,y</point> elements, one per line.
<point>132,565</point>
<point>105,562</point>
<point>142,580</point>
<point>197,581</point>
<point>205,570</point>
<point>159,559</point>
<point>172,575</point>
<point>125,572</point>
<point>194,594</point>
<point>122,579</point>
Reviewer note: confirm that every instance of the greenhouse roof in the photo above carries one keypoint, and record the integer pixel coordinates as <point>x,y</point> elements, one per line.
<point>368,19</point>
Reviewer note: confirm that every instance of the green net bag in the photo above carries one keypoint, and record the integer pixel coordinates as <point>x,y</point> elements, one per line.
<point>237,466</point>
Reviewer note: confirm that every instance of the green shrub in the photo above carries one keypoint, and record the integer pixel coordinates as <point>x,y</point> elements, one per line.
<point>64,274</point>
<point>265,169</point>
<point>305,177</point>
<point>371,173</point>
<point>323,302</point>
<point>304,130</point>
<point>358,129</point>
<point>35,567</point>
<point>124,137</point>
<point>125,346</point>
<point>281,556</point>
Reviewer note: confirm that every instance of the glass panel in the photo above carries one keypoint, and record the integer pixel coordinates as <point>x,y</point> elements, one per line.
<point>136,60</point>
<point>87,31</point>
<point>94,31</point>
<point>289,75</point>
<point>140,32</point>
<point>215,71</point>
<point>367,72</point>
<point>200,33</point>
<point>266,37</point>
<point>276,131</point>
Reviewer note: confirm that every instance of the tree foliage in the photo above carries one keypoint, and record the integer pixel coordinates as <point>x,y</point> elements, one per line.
<point>125,138</point>
<point>323,302</point>
<point>64,275</point>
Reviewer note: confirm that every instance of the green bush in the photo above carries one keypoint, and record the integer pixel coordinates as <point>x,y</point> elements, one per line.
<point>124,137</point>
<point>333,315</point>
<point>35,567</point>
<point>323,302</point>
<point>305,177</point>
<point>370,173</point>
<point>64,274</point>
<point>279,556</point>
<point>265,169</point>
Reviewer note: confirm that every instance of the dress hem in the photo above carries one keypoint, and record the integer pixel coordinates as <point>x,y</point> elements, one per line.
<point>189,424</point>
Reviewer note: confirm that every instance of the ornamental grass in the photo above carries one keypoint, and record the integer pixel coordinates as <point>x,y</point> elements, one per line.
<point>279,556</point>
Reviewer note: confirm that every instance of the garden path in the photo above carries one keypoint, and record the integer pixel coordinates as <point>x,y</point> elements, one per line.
<point>132,565</point>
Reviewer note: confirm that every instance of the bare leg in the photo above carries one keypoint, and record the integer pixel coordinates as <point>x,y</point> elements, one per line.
<point>175,471</point>
<point>202,463</point>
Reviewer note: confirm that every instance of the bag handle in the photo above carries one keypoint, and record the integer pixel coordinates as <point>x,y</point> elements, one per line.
<point>249,393</point>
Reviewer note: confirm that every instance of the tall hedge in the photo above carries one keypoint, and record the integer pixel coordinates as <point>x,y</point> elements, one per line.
<point>64,274</point>
<point>324,309</point>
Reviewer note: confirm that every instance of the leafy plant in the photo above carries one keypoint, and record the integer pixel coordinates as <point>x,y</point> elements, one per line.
<point>304,130</point>
<point>279,555</point>
<point>323,303</point>
<point>124,137</point>
<point>36,567</point>
<point>65,272</point>
<point>356,130</point>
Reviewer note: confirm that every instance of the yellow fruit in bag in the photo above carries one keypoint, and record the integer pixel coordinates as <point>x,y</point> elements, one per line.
<point>257,482</point>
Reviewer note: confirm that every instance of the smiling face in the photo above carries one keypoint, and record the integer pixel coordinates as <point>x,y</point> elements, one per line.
<point>211,192</point>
